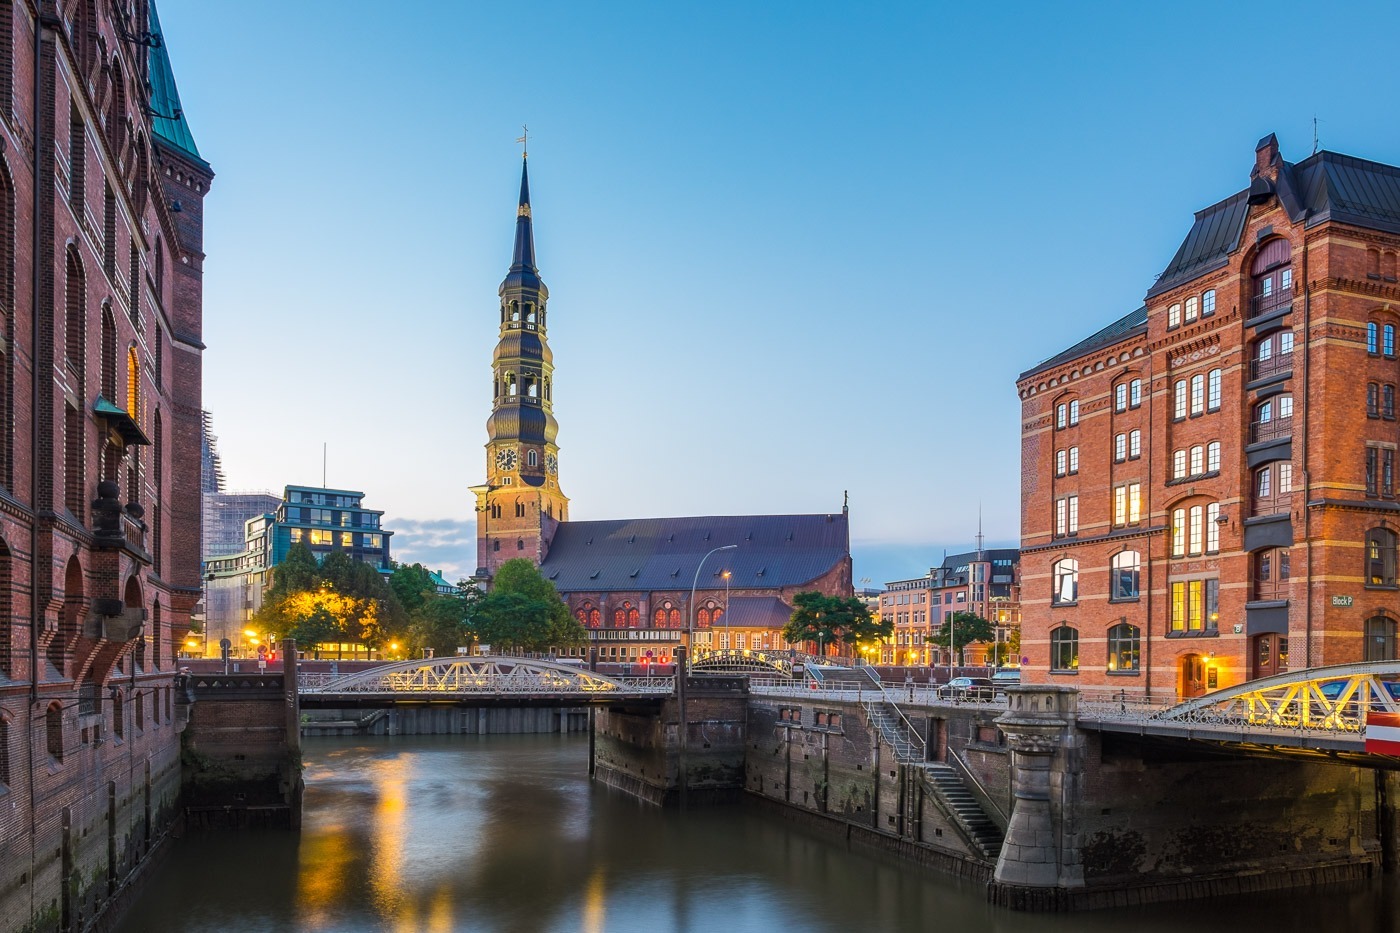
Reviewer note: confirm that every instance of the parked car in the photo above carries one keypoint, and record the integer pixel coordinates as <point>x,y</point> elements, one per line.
<point>1007,678</point>
<point>963,688</point>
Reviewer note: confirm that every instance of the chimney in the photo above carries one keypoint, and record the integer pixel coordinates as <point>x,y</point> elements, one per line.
<point>1266,159</point>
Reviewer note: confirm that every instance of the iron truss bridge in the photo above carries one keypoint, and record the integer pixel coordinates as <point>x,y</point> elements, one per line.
<point>753,661</point>
<point>494,680</point>
<point>1323,708</point>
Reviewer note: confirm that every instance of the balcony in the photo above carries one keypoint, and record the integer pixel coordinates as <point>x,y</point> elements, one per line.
<point>1272,505</point>
<point>1271,430</point>
<point>1271,366</point>
<point>1261,305</point>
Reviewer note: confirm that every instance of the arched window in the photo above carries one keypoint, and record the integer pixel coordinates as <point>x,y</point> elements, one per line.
<point>510,384</point>
<point>1208,303</point>
<point>1124,644</point>
<point>702,618</point>
<point>109,356</point>
<point>118,714</point>
<point>1198,460</point>
<point>1179,464</point>
<point>1373,338</point>
<point>1174,316</point>
<point>1213,457</point>
<point>515,311</point>
<point>1272,277</point>
<point>1178,533</point>
<point>1380,557</point>
<point>1120,397</point>
<point>53,730</point>
<point>1388,341</point>
<point>634,618</point>
<point>133,384</point>
<point>1064,649</point>
<point>1198,394</point>
<point>1127,568</point>
<point>533,458</point>
<point>619,618</point>
<point>1273,354</point>
<point>1380,639</point>
<point>1373,400</point>
<point>1192,308</point>
<point>595,618</point>
<point>496,545</point>
<point>675,618</point>
<point>1066,573</point>
<point>1179,400</point>
<point>138,711</point>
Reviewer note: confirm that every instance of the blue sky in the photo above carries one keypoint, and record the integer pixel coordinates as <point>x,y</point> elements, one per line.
<point>792,249</point>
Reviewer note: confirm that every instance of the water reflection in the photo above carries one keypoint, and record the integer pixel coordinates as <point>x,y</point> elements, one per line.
<point>505,833</point>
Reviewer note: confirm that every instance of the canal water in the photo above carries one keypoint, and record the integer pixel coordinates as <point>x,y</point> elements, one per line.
<point>506,833</point>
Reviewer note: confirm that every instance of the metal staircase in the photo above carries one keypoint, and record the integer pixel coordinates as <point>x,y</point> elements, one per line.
<point>941,781</point>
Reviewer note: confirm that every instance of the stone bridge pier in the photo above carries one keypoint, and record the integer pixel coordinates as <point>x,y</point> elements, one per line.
<point>1040,859</point>
<point>1105,818</point>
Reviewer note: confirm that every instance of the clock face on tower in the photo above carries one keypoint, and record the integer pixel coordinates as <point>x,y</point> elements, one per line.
<point>551,463</point>
<point>507,458</point>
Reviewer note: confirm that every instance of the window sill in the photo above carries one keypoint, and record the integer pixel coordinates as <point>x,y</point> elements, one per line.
<point>1203,633</point>
<point>1069,605</point>
<point>1380,586</point>
<point>1123,673</point>
<point>1112,600</point>
<point>1064,673</point>
<point>1209,474</point>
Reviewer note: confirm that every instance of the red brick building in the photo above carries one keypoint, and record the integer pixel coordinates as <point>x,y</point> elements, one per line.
<point>985,582</point>
<point>1208,483</point>
<point>101,227</point>
<point>629,581</point>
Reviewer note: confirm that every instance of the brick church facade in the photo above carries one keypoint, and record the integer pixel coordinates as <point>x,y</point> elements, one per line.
<point>629,581</point>
<point>101,227</point>
<point>1208,483</point>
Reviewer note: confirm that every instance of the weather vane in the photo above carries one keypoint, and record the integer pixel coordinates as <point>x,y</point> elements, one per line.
<point>524,140</point>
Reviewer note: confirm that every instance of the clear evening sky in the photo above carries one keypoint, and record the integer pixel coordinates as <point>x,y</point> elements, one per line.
<point>792,249</point>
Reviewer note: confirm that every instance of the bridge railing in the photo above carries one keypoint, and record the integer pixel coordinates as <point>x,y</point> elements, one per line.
<point>897,694</point>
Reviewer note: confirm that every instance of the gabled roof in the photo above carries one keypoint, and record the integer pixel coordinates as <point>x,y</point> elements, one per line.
<point>1130,324</point>
<point>1215,234</point>
<point>755,612</point>
<point>649,554</point>
<point>168,120</point>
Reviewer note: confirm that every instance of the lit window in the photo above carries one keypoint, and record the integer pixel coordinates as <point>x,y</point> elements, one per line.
<point>1196,542</point>
<point>1179,464</point>
<point>1120,505</point>
<point>1179,533</point>
<point>1124,648</point>
<point>296,535</point>
<point>1073,514</point>
<point>1064,649</point>
<point>1213,457</point>
<point>347,539</point>
<point>1380,557</point>
<point>1134,502</point>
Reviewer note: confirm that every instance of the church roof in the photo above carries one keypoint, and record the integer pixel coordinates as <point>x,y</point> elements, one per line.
<point>649,554</point>
<point>168,121</point>
<point>755,612</point>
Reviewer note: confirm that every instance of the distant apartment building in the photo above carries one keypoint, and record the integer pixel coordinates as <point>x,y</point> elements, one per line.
<point>326,520</point>
<point>985,583</point>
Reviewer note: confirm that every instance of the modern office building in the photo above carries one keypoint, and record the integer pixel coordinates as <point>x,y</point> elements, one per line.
<point>326,520</point>
<point>1209,489</point>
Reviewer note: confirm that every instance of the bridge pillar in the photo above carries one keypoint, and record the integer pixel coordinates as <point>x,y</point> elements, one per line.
<point>1041,860</point>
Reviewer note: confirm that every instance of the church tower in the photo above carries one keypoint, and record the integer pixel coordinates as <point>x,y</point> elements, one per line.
<point>520,504</point>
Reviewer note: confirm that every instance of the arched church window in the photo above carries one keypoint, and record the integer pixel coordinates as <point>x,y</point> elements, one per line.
<point>520,544</point>
<point>510,383</point>
<point>675,618</point>
<point>547,390</point>
<point>634,618</point>
<point>595,618</point>
<point>532,386</point>
<point>619,618</point>
<point>702,618</point>
<point>659,619</point>
<point>533,458</point>
<point>529,313</point>
<point>515,310</point>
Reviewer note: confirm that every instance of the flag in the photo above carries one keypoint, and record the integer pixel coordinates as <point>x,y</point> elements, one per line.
<point>1382,733</point>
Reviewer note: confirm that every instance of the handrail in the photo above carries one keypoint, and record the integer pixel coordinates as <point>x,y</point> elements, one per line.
<point>914,734</point>
<point>962,767</point>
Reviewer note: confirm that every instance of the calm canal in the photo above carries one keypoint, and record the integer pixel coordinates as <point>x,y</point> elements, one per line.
<point>506,833</point>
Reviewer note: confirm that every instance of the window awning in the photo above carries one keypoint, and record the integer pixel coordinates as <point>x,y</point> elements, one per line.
<point>120,421</point>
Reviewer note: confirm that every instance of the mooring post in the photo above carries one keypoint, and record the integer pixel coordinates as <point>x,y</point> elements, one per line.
<point>682,778</point>
<point>592,717</point>
<point>292,695</point>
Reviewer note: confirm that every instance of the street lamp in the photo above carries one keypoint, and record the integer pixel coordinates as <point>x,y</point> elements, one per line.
<point>690,620</point>
<point>727,623</point>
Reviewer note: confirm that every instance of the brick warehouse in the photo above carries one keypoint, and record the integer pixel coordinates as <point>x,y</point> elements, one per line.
<point>101,229</point>
<point>629,582</point>
<point>1208,483</point>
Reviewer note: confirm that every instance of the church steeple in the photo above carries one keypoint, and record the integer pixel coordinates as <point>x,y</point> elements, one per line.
<point>521,500</point>
<point>524,258</point>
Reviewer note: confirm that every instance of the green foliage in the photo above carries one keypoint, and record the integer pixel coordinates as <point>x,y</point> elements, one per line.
<point>413,586</point>
<point>523,612</point>
<point>337,600</point>
<point>442,621</point>
<point>967,627</point>
<point>830,620</point>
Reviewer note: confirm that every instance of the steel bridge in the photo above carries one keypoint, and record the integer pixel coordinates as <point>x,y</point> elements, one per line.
<point>1322,709</point>
<point>755,661</point>
<point>477,681</point>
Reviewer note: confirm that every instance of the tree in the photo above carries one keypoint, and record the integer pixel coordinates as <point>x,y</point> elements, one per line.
<point>523,612</point>
<point>413,586</point>
<point>834,620</point>
<point>442,621</point>
<point>336,600</point>
<point>967,627</point>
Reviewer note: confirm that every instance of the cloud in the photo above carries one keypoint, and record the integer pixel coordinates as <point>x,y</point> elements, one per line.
<point>447,545</point>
